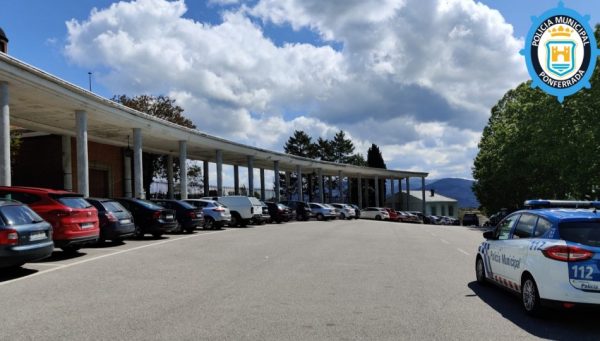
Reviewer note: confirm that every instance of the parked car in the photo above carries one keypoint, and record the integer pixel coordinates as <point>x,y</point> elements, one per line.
<point>149,217</point>
<point>419,215</point>
<point>394,216</point>
<point>376,213</point>
<point>279,212</point>
<point>410,217</point>
<point>322,212</point>
<point>244,210</point>
<point>266,217</point>
<point>216,215</point>
<point>188,216</point>
<point>24,235</point>
<point>345,211</point>
<point>470,219</point>
<point>356,210</point>
<point>302,209</point>
<point>74,221</point>
<point>116,223</point>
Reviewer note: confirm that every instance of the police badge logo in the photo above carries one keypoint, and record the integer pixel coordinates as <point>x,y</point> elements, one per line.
<point>560,51</point>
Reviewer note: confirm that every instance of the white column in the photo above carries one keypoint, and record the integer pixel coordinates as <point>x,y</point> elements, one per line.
<point>127,176</point>
<point>5,178</point>
<point>236,179</point>
<point>250,175</point>
<point>138,190</point>
<point>83,175</point>
<point>183,169</point>
<point>262,184</point>
<point>288,190</point>
<point>299,183</point>
<point>360,192</point>
<point>170,184</point>
<point>330,188</point>
<point>219,155</point>
<point>320,182</point>
<point>407,194</point>
<point>67,165</point>
<point>423,193</point>
<point>206,178</point>
<point>277,187</point>
<point>377,191</point>
<point>393,197</point>
<point>341,187</point>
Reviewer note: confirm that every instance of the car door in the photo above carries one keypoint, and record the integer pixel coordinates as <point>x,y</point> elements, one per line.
<point>515,249</point>
<point>494,249</point>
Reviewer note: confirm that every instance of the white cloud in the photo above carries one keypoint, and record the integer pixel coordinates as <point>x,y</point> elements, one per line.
<point>416,78</point>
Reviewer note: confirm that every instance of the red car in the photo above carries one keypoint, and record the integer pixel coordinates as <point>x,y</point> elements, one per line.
<point>73,219</point>
<point>394,216</point>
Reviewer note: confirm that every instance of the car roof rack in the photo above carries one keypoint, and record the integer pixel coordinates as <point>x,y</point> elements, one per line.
<point>541,203</point>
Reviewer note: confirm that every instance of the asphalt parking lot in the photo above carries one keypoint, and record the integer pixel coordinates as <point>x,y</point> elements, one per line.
<point>341,280</point>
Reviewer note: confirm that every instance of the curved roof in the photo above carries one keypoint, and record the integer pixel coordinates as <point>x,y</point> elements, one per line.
<point>3,35</point>
<point>43,102</point>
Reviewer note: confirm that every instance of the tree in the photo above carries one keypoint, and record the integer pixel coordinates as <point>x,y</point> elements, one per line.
<point>535,147</point>
<point>375,160</point>
<point>163,107</point>
<point>342,148</point>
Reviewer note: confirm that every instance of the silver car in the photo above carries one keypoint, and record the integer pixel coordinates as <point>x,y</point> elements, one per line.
<point>322,211</point>
<point>216,215</point>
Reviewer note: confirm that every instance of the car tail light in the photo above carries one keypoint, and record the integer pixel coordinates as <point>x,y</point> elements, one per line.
<point>218,209</point>
<point>111,217</point>
<point>567,253</point>
<point>193,214</point>
<point>9,237</point>
<point>156,215</point>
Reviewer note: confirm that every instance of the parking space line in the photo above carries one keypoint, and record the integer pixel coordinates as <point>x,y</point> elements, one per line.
<point>47,264</point>
<point>444,241</point>
<point>64,266</point>
<point>463,251</point>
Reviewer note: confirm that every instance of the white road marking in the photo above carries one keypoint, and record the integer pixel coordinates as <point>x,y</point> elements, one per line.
<point>444,241</point>
<point>433,234</point>
<point>64,266</point>
<point>47,264</point>
<point>463,251</point>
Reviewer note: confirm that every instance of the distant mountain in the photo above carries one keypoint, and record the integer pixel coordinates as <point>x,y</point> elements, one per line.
<point>455,188</point>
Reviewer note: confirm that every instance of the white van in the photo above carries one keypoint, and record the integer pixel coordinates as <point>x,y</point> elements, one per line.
<point>243,209</point>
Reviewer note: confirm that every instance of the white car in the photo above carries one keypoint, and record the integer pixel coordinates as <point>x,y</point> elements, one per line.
<point>377,213</point>
<point>345,211</point>
<point>216,215</point>
<point>244,210</point>
<point>545,254</point>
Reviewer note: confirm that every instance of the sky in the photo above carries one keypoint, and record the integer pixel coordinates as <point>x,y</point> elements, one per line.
<point>417,78</point>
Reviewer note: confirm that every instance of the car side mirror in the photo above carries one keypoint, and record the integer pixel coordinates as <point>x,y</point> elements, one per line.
<point>488,235</point>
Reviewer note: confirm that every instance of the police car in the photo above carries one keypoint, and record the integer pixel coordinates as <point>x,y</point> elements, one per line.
<point>548,253</point>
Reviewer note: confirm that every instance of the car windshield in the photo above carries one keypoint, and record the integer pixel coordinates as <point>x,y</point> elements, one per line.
<point>19,215</point>
<point>185,204</point>
<point>149,204</point>
<point>72,201</point>
<point>113,206</point>
<point>582,232</point>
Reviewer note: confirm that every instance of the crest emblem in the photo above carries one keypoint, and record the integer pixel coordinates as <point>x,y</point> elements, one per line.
<point>560,57</point>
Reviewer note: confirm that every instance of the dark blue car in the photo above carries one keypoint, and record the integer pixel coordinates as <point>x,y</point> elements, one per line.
<point>24,235</point>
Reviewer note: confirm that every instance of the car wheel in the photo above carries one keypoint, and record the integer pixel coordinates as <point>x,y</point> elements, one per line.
<point>138,232</point>
<point>190,229</point>
<point>157,235</point>
<point>320,217</point>
<point>235,220</point>
<point>71,249</point>
<point>244,222</point>
<point>530,297</point>
<point>480,271</point>
<point>342,216</point>
<point>378,217</point>
<point>209,223</point>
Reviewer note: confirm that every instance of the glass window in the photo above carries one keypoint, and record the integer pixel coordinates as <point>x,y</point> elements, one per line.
<point>542,227</point>
<point>503,229</point>
<point>433,210</point>
<point>19,215</point>
<point>71,201</point>
<point>524,228</point>
<point>25,198</point>
<point>185,204</point>
<point>113,206</point>
<point>583,232</point>
<point>148,204</point>
<point>451,210</point>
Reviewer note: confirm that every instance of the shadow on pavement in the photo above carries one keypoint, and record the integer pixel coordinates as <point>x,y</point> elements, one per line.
<point>58,255</point>
<point>554,324</point>
<point>14,273</point>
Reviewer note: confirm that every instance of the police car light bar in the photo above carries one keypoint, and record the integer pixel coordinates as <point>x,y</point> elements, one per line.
<point>540,203</point>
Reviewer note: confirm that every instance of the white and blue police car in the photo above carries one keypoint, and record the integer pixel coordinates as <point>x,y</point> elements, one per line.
<point>548,253</point>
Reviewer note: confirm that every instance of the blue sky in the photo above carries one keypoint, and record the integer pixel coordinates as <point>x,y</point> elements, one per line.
<point>282,65</point>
